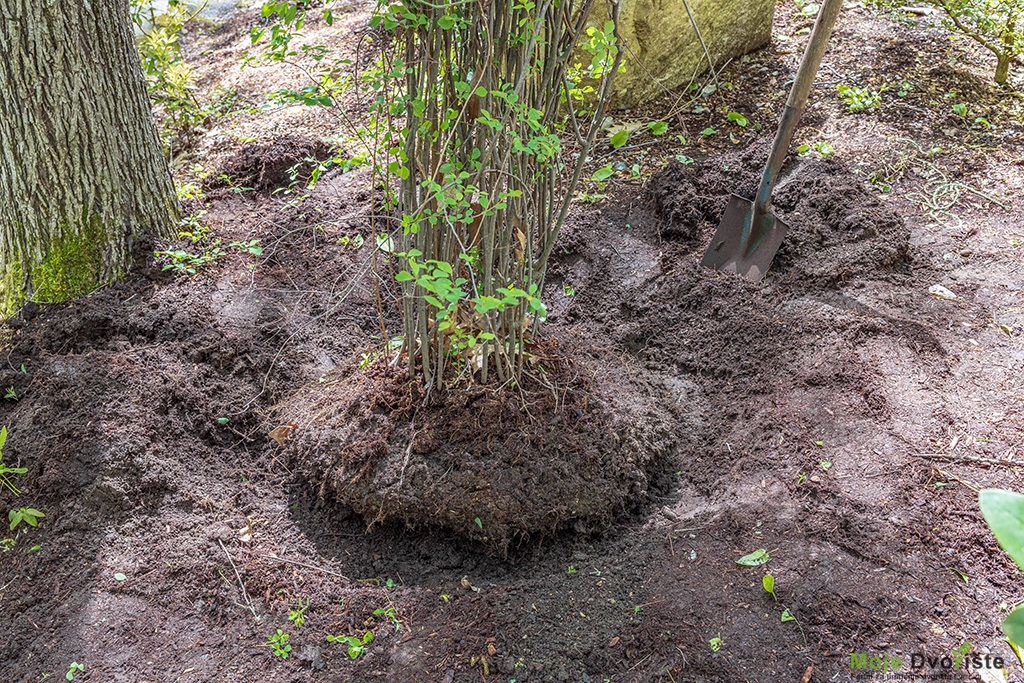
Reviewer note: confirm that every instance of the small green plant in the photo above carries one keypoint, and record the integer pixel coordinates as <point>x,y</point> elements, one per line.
<point>4,469</point>
<point>768,582</point>
<point>279,642</point>
<point>571,570</point>
<point>658,128</point>
<point>960,109</point>
<point>11,394</point>
<point>738,118</point>
<point>74,669</point>
<point>825,465</point>
<point>709,131</point>
<point>30,516</point>
<point>249,247</point>
<point>859,99</point>
<point>619,139</point>
<point>168,78</point>
<point>356,646</point>
<point>715,643</point>
<point>824,149</point>
<point>389,614</point>
<point>7,544</point>
<point>181,261</point>
<point>569,291</point>
<point>602,174</point>
<point>297,615</point>
<point>755,559</point>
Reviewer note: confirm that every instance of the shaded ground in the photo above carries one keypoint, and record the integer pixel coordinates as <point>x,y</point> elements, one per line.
<point>178,535</point>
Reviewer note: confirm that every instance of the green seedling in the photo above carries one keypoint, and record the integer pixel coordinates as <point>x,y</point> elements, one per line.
<point>30,516</point>
<point>389,613</point>
<point>356,646</point>
<point>478,522</point>
<point>859,99</point>
<point>754,559</point>
<point>569,291</point>
<point>4,469</point>
<point>800,478</point>
<point>709,131</point>
<point>7,544</point>
<point>768,581</point>
<point>571,570</point>
<point>619,139</point>
<point>11,394</point>
<point>279,642</point>
<point>824,149</point>
<point>716,644</point>
<point>787,616</point>
<point>960,110</point>
<point>658,128</point>
<point>825,465</point>
<point>685,160</point>
<point>603,173</point>
<point>738,118</point>
<point>297,616</point>
<point>249,247</point>
<point>73,669</point>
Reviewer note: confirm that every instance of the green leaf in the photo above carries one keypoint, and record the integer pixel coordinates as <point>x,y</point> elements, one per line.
<point>658,128</point>
<point>603,173</point>
<point>1004,512</point>
<point>223,420</point>
<point>15,517</point>
<point>787,616</point>
<point>481,91</point>
<point>738,118</point>
<point>754,559</point>
<point>1013,627</point>
<point>478,522</point>
<point>404,276</point>
<point>620,138</point>
<point>119,577</point>
<point>709,131</point>
<point>769,584</point>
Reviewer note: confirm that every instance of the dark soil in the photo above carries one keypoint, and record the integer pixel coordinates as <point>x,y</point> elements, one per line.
<point>267,166</point>
<point>838,229</point>
<point>790,415</point>
<point>495,466</point>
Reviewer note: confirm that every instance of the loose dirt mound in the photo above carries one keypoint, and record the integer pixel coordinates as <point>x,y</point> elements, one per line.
<point>495,466</point>
<point>837,229</point>
<point>267,166</point>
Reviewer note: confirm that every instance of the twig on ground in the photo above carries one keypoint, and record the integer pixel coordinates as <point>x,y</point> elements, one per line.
<point>307,566</point>
<point>239,577</point>
<point>970,458</point>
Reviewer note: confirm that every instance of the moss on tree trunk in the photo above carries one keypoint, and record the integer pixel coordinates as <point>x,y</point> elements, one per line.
<point>81,169</point>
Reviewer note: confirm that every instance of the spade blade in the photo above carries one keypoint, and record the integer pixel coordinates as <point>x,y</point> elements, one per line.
<point>729,252</point>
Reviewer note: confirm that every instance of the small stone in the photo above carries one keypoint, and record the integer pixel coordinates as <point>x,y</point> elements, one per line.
<point>941,292</point>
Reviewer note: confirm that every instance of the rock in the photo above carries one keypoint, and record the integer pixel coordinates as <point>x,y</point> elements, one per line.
<point>940,292</point>
<point>311,656</point>
<point>660,36</point>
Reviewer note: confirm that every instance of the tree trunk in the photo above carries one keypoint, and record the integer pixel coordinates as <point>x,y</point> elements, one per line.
<point>1002,68</point>
<point>81,169</point>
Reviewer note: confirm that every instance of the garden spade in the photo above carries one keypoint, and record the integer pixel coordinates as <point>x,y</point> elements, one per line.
<point>750,234</point>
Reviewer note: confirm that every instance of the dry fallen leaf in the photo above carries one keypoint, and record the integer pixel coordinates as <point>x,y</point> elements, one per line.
<point>245,534</point>
<point>491,649</point>
<point>613,642</point>
<point>279,434</point>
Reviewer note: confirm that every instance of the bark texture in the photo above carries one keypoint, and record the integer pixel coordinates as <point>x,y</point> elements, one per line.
<point>81,168</point>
